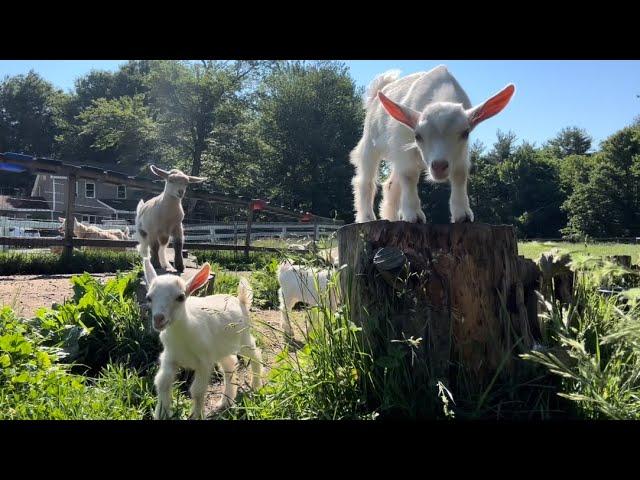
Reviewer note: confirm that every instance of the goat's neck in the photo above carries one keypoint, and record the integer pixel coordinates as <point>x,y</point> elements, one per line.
<point>170,200</point>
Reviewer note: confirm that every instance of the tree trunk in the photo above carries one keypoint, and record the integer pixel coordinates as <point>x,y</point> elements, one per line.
<point>461,288</point>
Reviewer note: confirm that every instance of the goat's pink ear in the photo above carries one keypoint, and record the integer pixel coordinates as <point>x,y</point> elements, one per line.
<point>197,179</point>
<point>159,172</point>
<point>403,114</point>
<point>199,279</point>
<point>492,106</point>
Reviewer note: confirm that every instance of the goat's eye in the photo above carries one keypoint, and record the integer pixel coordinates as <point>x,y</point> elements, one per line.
<point>418,137</point>
<point>465,134</point>
<point>181,297</point>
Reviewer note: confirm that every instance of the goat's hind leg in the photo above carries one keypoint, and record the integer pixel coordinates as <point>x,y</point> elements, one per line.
<point>252,352</point>
<point>229,365</point>
<point>366,159</point>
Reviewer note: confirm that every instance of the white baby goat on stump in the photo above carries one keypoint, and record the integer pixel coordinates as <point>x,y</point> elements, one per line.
<point>161,217</point>
<point>432,119</point>
<point>197,333</point>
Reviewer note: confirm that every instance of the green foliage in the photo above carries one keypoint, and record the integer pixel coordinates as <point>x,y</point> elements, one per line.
<point>235,261</point>
<point>310,119</point>
<point>600,360</point>
<point>91,261</point>
<point>570,141</point>
<point>101,325</point>
<point>34,386</point>
<point>322,380</point>
<point>265,285</point>
<point>122,127</point>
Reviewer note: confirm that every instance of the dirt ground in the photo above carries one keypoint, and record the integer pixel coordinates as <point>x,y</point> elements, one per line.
<point>25,294</point>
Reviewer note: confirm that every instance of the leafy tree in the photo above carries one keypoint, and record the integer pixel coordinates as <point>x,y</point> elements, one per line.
<point>311,117</point>
<point>28,108</point>
<point>197,106</point>
<point>608,203</point>
<point>122,127</point>
<point>570,141</point>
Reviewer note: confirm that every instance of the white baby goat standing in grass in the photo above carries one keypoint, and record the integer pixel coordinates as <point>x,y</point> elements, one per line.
<point>197,333</point>
<point>161,217</point>
<point>417,123</point>
<point>302,284</point>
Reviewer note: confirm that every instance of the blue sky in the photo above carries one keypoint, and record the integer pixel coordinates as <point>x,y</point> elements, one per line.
<point>599,96</point>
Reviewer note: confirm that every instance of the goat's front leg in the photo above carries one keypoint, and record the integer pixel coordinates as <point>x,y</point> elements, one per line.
<point>198,391</point>
<point>390,203</point>
<point>163,382</point>
<point>410,207</point>
<point>178,241</point>
<point>459,200</point>
<point>284,317</point>
<point>162,252</point>
<point>155,247</point>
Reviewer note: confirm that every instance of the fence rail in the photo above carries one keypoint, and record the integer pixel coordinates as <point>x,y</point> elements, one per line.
<point>203,192</point>
<point>210,233</point>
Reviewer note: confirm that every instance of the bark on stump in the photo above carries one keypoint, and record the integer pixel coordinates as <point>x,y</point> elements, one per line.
<point>462,288</point>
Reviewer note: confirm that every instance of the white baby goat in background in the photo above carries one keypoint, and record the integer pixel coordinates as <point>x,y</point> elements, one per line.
<point>302,284</point>
<point>417,123</point>
<point>197,333</point>
<point>160,218</point>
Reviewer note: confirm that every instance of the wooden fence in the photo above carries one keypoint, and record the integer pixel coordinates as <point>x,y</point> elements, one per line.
<point>211,233</point>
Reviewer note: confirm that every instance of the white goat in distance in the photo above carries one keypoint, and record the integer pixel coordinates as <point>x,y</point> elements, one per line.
<point>160,218</point>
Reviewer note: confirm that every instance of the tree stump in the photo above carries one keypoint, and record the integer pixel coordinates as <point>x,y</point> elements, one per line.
<point>622,260</point>
<point>557,277</point>
<point>461,288</point>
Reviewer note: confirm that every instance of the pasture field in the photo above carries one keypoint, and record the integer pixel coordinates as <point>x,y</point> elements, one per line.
<point>533,250</point>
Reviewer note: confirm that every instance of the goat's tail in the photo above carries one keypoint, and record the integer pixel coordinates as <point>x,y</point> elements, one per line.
<point>245,294</point>
<point>378,84</point>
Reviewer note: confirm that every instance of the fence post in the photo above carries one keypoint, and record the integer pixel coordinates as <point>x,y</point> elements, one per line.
<point>69,223</point>
<point>247,242</point>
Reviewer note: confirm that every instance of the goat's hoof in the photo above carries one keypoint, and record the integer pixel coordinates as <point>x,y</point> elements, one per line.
<point>465,219</point>
<point>462,216</point>
<point>412,217</point>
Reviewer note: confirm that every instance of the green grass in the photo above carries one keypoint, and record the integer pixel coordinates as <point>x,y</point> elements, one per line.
<point>93,358</point>
<point>533,250</point>
<point>92,261</point>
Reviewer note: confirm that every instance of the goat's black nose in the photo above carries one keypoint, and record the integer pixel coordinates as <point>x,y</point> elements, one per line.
<point>440,166</point>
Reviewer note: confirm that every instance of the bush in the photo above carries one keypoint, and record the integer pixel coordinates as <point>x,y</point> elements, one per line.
<point>34,386</point>
<point>235,261</point>
<point>265,286</point>
<point>102,325</point>
<point>92,261</point>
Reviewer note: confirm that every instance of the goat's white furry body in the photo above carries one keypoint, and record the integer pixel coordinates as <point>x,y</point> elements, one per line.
<point>417,123</point>
<point>301,284</point>
<point>197,333</point>
<point>160,218</point>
